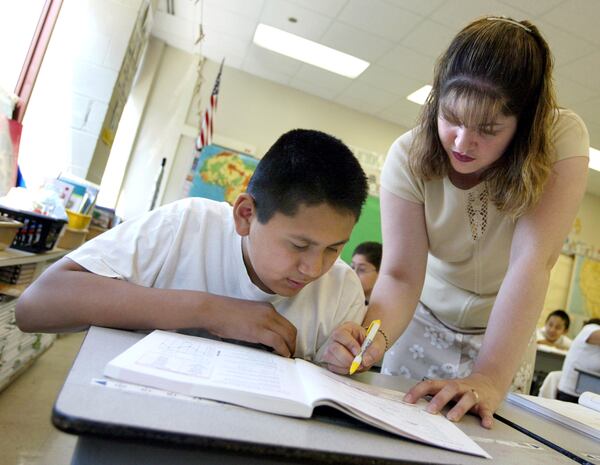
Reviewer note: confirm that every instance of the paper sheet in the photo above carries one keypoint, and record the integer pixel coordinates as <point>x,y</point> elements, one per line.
<point>386,409</point>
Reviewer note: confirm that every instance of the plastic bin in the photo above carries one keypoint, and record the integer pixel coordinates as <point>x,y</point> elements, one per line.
<point>8,231</point>
<point>78,220</point>
<point>72,238</point>
<point>39,233</point>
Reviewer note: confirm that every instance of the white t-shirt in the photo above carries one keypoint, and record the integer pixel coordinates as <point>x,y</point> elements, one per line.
<point>562,343</point>
<point>469,239</point>
<point>581,355</point>
<point>192,244</point>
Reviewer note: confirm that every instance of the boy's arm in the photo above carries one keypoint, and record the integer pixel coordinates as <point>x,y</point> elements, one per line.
<point>594,338</point>
<point>68,297</point>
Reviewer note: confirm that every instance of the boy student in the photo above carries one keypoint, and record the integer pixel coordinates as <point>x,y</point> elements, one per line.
<point>553,333</point>
<point>366,260</point>
<point>264,271</point>
<point>584,354</point>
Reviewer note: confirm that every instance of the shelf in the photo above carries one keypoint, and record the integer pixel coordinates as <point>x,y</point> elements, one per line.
<point>10,257</point>
<point>17,350</point>
<point>13,290</point>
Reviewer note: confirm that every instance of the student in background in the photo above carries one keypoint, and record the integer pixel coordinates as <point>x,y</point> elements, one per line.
<point>584,354</point>
<point>553,333</point>
<point>366,260</point>
<point>263,271</point>
<point>476,202</point>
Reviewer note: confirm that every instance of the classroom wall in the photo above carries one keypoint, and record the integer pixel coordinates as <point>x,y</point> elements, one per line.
<point>251,110</point>
<point>587,223</point>
<point>585,230</point>
<point>160,119</point>
<point>254,112</point>
<point>71,94</point>
<point>257,111</point>
<point>558,287</point>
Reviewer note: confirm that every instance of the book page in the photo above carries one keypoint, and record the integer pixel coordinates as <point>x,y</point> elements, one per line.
<point>192,365</point>
<point>384,408</point>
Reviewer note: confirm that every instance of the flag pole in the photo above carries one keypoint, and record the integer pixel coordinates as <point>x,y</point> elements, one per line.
<point>205,134</point>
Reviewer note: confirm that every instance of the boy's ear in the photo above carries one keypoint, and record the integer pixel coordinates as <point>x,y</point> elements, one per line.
<point>244,210</point>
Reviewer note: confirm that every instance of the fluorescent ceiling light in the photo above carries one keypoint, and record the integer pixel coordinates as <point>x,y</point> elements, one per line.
<point>420,96</point>
<point>308,51</point>
<point>594,159</point>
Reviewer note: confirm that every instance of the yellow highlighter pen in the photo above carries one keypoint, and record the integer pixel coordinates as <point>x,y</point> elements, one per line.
<point>371,333</point>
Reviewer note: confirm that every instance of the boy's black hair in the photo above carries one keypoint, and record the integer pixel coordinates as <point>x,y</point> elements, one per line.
<point>592,321</point>
<point>562,315</point>
<point>371,250</point>
<point>307,167</point>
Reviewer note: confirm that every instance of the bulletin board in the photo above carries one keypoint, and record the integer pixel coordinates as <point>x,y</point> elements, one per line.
<point>368,227</point>
<point>584,291</point>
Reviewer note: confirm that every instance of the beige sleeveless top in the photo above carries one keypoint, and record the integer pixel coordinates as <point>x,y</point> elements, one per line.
<point>469,240</point>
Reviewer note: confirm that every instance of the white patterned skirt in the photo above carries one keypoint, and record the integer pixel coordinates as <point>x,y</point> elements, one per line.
<point>430,349</point>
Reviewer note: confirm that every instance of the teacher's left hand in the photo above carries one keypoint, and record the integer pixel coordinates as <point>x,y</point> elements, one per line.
<point>475,393</point>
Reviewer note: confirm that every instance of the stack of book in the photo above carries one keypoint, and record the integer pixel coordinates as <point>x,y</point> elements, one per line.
<point>83,193</point>
<point>17,349</point>
<point>17,274</point>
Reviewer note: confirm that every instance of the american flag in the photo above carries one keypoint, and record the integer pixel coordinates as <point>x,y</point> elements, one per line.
<point>206,132</point>
<point>206,128</point>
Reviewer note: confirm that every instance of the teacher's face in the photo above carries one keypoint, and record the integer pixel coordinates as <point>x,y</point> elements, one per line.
<point>473,149</point>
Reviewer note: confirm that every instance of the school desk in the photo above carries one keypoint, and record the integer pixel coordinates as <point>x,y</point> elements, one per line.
<point>587,381</point>
<point>548,359</point>
<point>580,447</point>
<point>132,427</point>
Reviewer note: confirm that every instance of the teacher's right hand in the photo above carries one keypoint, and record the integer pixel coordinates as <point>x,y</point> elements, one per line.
<point>374,352</point>
<point>476,393</point>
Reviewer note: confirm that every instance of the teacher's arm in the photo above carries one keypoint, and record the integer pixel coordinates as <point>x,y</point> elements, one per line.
<point>536,245</point>
<point>402,270</point>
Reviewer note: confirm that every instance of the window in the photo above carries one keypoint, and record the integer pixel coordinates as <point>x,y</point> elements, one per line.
<point>25,29</point>
<point>18,22</point>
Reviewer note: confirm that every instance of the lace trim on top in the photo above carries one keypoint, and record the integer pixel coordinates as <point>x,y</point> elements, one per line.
<point>477,209</point>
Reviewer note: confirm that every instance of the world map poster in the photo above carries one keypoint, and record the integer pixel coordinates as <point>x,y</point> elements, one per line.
<point>219,173</point>
<point>584,292</point>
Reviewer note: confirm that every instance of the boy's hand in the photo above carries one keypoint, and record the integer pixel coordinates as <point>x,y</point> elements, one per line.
<point>255,322</point>
<point>341,347</point>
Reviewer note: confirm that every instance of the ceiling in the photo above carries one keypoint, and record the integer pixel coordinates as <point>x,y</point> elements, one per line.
<point>400,38</point>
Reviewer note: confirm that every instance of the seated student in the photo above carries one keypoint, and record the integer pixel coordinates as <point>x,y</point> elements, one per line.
<point>366,260</point>
<point>265,271</point>
<point>554,331</point>
<point>584,354</point>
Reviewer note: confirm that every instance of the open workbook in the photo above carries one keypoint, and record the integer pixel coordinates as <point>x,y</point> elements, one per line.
<point>263,381</point>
